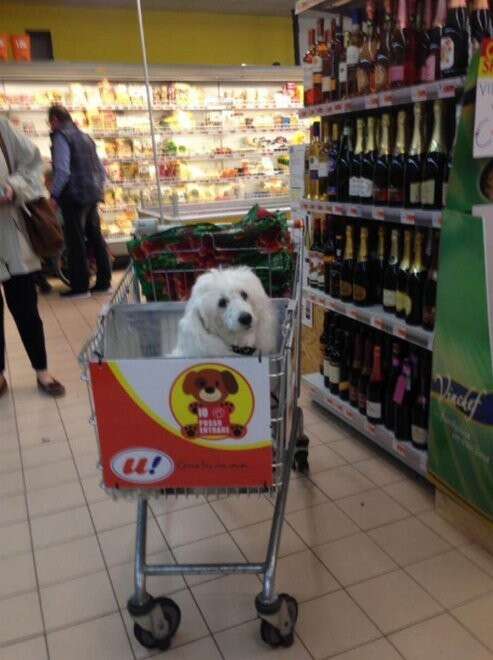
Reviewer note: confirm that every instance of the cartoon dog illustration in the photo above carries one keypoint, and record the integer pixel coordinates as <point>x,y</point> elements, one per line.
<point>210,389</point>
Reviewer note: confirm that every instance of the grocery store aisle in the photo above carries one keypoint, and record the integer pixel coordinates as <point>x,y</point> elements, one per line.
<point>378,575</point>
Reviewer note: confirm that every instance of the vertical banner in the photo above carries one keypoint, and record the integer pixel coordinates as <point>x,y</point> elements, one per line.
<point>461,411</point>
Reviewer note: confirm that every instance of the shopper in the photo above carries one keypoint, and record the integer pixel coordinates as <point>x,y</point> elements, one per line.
<point>78,186</point>
<point>21,171</point>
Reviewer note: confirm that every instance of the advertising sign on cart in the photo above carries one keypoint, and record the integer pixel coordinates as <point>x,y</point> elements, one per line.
<point>183,423</point>
<point>461,417</point>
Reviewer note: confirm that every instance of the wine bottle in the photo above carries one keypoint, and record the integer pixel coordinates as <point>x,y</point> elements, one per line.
<point>342,87</point>
<point>332,164</point>
<point>343,166</point>
<point>335,362</point>
<point>434,164</point>
<point>414,162</point>
<point>404,266</point>
<point>481,23</point>
<point>390,276</point>
<point>381,172</point>
<point>365,375</point>
<point>336,49</point>
<point>323,162</point>
<point>356,369</point>
<point>368,163</point>
<point>395,370</point>
<point>374,396</point>
<point>323,340</point>
<point>335,271</point>
<point>426,72</point>
<point>346,282</point>
<point>314,161</point>
<point>382,59</point>
<point>361,275</point>
<point>433,63</point>
<point>356,161</point>
<point>320,54</point>
<point>328,251</point>
<point>415,284</point>
<point>420,409</point>
<point>327,68</point>
<point>402,403</point>
<point>378,269</point>
<point>345,367</point>
<point>315,253</point>
<point>430,288</point>
<point>397,163</point>
<point>365,70</point>
<point>307,69</point>
<point>402,70</point>
<point>329,347</point>
<point>353,53</point>
<point>454,45</point>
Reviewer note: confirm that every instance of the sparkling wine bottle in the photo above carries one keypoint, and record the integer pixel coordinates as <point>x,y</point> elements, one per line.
<point>382,164</point>
<point>455,41</point>
<point>414,162</point>
<point>481,23</point>
<point>397,163</point>
<point>374,396</point>
<point>435,163</point>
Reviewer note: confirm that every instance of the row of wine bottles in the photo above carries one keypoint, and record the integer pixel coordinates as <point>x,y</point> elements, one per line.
<point>383,166</point>
<point>400,43</point>
<point>387,380</point>
<point>391,267</point>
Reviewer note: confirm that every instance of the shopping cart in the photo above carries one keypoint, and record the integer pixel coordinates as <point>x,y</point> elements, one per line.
<point>144,406</point>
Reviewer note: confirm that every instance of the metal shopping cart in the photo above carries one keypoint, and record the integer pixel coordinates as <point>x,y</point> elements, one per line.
<point>142,400</point>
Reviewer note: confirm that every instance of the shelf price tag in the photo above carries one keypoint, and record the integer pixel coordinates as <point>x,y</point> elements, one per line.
<point>352,313</point>
<point>387,99</point>
<point>353,211</point>
<point>420,94</point>
<point>401,332</point>
<point>446,90</point>
<point>408,218</point>
<point>338,210</point>
<point>401,448</point>
<point>338,107</point>
<point>348,106</point>
<point>377,322</point>
<point>369,428</point>
<point>348,413</point>
<point>377,213</point>
<point>371,101</point>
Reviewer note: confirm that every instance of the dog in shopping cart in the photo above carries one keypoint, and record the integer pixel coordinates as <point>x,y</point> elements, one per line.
<point>228,313</point>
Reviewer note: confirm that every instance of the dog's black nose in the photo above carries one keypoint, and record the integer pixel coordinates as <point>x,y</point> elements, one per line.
<point>245,319</point>
<point>210,390</point>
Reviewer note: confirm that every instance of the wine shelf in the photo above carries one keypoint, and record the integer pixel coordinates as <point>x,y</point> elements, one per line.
<point>441,89</point>
<point>414,458</point>
<point>418,217</point>
<point>326,5</point>
<point>374,317</point>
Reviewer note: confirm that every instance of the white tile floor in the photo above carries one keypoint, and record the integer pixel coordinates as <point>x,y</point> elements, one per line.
<point>378,575</point>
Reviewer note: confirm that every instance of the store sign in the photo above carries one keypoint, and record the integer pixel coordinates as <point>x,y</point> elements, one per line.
<point>483,125</point>
<point>180,423</point>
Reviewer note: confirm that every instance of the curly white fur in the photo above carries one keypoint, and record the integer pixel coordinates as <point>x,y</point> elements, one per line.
<point>227,308</point>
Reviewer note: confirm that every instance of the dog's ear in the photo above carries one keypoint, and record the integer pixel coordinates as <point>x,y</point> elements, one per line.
<point>189,382</point>
<point>229,381</point>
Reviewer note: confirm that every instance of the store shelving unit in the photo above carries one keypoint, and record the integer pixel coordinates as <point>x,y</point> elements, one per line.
<point>416,459</point>
<point>371,316</point>
<point>222,133</point>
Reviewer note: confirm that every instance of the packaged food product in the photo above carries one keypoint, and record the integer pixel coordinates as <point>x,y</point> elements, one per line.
<point>4,47</point>
<point>21,47</point>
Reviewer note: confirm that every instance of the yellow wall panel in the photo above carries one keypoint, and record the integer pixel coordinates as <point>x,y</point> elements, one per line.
<point>111,35</point>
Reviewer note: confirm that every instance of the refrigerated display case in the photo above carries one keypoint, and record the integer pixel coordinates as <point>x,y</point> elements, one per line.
<point>222,133</point>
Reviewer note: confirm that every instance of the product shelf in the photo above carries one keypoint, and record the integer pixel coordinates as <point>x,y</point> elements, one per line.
<point>414,458</point>
<point>236,155</point>
<point>418,217</point>
<point>394,97</point>
<point>205,180</point>
<point>155,108</point>
<point>373,316</point>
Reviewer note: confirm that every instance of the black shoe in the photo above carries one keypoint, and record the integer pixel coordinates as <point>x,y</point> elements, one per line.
<point>75,294</point>
<point>44,286</point>
<point>101,288</point>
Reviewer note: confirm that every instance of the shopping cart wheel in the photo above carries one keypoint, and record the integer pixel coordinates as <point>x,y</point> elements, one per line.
<point>153,640</point>
<point>287,616</point>
<point>300,460</point>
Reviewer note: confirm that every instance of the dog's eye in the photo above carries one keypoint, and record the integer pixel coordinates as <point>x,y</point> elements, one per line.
<point>201,383</point>
<point>244,295</point>
<point>223,302</point>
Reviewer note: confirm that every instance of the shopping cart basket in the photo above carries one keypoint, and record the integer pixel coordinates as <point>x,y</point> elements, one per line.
<point>157,438</point>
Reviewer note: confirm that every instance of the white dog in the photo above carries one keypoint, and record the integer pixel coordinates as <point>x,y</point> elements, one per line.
<point>228,313</point>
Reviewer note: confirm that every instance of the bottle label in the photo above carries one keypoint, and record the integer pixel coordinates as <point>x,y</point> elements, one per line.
<point>342,72</point>
<point>346,289</point>
<point>352,56</point>
<point>360,293</point>
<point>428,192</point>
<point>317,67</point>
<point>400,390</point>
<point>396,73</point>
<point>415,193</point>
<point>399,304</point>
<point>447,53</point>
<point>444,193</point>
<point>380,195</point>
<point>331,165</point>
<point>381,77</point>
<point>396,196</point>
<point>362,401</point>
<point>407,304</point>
<point>419,435</point>
<point>334,374</point>
<point>326,84</point>
<point>354,186</point>
<point>327,369</point>
<point>365,188</point>
<point>362,80</point>
<point>323,168</point>
<point>427,73</point>
<point>307,78</point>
<point>333,84</point>
<point>344,386</point>
<point>374,409</point>
<point>388,298</point>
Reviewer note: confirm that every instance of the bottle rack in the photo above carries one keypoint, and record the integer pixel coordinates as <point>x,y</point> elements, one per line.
<point>374,316</point>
